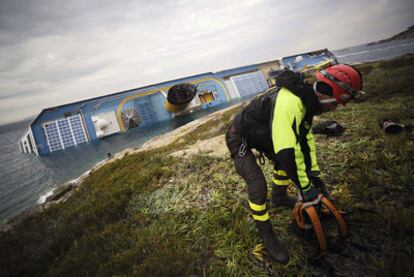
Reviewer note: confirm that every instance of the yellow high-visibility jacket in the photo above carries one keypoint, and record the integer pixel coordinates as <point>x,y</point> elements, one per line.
<point>293,141</point>
<point>275,124</point>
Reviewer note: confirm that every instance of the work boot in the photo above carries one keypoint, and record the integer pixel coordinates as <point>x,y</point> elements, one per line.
<point>273,246</point>
<point>280,197</point>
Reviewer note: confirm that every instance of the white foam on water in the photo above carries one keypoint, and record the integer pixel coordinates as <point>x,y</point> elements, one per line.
<point>381,49</point>
<point>353,54</point>
<point>43,198</point>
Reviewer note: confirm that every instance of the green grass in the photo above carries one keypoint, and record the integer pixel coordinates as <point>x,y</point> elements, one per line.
<point>149,214</point>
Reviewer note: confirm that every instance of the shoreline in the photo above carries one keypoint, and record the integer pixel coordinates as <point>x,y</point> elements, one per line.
<point>63,192</point>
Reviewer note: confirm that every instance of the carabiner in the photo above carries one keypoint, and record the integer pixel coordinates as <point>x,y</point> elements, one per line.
<point>243,148</point>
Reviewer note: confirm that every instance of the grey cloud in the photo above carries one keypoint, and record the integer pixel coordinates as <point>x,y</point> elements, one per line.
<point>54,52</point>
<point>13,95</point>
<point>20,19</point>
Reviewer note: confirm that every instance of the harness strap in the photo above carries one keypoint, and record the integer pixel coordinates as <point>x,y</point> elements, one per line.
<point>343,229</point>
<point>317,227</point>
<point>309,209</point>
<point>297,213</point>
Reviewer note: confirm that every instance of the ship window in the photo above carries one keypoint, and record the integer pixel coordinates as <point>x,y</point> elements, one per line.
<point>78,129</point>
<point>65,132</point>
<point>250,83</point>
<point>30,143</point>
<point>53,138</point>
<point>146,113</point>
<point>206,97</point>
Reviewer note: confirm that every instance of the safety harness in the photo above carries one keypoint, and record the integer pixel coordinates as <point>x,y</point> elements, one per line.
<point>304,212</point>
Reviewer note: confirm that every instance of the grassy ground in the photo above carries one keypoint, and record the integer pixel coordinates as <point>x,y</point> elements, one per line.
<point>153,215</point>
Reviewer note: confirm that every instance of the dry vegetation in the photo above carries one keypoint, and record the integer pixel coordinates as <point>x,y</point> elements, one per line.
<point>150,214</point>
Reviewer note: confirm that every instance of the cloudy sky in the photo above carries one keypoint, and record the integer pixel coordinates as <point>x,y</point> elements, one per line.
<point>54,52</point>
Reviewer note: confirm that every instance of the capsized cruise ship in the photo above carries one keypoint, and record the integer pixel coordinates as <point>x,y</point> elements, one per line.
<point>66,126</point>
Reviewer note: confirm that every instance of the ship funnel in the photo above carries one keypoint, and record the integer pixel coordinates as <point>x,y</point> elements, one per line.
<point>179,97</point>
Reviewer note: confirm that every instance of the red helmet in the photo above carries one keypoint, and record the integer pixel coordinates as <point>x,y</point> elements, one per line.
<point>342,82</point>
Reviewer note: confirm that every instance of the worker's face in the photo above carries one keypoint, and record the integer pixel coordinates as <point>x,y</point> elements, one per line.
<point>328,103</point>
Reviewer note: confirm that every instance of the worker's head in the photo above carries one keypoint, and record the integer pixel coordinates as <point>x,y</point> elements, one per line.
<point>337,84</point>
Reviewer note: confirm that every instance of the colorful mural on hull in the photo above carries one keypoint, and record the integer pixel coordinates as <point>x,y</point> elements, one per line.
<point>62,127</point>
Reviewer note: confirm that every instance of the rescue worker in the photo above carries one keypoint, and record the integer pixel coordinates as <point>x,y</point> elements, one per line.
<point>278,125</point>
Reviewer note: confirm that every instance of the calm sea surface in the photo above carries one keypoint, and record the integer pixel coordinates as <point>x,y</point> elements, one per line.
<point>27,179</point>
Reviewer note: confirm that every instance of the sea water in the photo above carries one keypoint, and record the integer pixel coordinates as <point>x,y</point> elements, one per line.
<point>375,52</point>
<point>28,179</point>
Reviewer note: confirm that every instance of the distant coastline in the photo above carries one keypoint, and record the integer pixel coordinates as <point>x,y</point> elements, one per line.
<point>407,34</point>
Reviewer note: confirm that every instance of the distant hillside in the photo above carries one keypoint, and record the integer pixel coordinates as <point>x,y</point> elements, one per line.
<point>407,34</point>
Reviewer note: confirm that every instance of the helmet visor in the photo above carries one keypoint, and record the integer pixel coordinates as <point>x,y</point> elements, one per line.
<point>353,93</point>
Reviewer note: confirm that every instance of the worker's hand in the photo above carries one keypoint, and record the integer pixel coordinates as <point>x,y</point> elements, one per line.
<point>310,195</point>
<point>320,185</point>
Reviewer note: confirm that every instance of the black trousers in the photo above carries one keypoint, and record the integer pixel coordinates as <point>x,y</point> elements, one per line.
<point>247,168</point>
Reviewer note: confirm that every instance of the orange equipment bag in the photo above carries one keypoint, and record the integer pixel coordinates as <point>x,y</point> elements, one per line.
<point>308,208</point>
